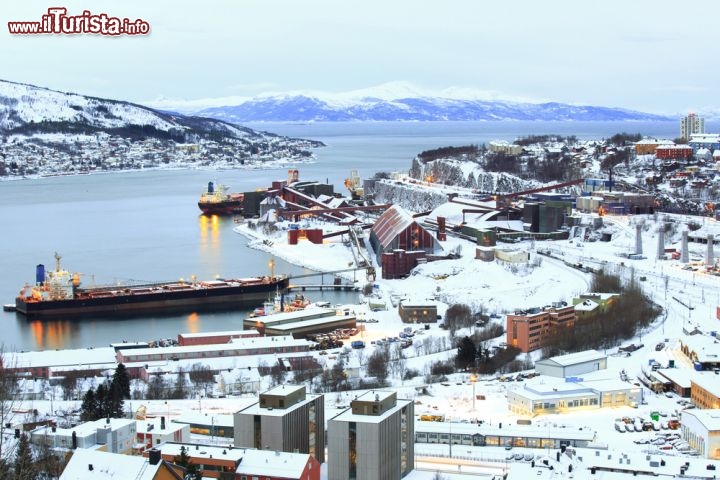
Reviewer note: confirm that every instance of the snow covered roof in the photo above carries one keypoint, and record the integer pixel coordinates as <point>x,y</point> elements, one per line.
<point>391,223</point>
<point>535,430</point>
<point>256,409</point>
<point>232,333</point>
<point>679,376</point>
<point>154,425</point>
<point>418,303</point>
<point>349,416</point>
<point>573,358</point>
<point>88,428</point>
<point>674,147</point>
<point>98,465</point>
<point>239,343</point>
<point>705,348</point>
<point>586,306</point>
<point>195,418</point>
<point>284,317</point>
<point>707,381</point>
<point>202,451</point>
<point>546,388</point>
<point>709,418</point>
<point>275,464</point>
<point>289,327</point>
<point>56,358</point>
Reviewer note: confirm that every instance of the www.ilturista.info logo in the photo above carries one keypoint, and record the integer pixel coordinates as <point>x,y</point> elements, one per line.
<point>57,21</point>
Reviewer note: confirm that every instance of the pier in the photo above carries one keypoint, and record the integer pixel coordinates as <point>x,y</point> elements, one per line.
<point>325,286</point>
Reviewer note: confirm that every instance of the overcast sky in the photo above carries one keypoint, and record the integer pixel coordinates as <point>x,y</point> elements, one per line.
<point>655,56</point>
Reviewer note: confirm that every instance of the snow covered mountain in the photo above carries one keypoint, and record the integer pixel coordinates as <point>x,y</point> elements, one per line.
<point>400,101</point>
<point>27,110</point>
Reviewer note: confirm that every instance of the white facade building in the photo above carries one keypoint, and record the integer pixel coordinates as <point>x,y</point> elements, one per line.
<point>572,364</point>
<point>690,125</point>
<point>114,435</point>
<point>564,397</point>
<point>701,429</point>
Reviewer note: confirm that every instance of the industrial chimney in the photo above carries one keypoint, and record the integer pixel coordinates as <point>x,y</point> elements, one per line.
<point>709,256</point>
<point>661,242</point>
<point>638,239</point>
<point>684,256</point>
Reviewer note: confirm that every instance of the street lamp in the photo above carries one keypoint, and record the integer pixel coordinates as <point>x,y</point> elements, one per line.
<point>473,379</point>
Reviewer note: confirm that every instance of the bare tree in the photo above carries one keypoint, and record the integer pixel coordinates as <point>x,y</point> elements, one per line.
<point>156,388</point>
<point>8,400</point>
<point>201,375</point>
<point>377,364</point>
<point>181,387</point>
<point>69,384</point>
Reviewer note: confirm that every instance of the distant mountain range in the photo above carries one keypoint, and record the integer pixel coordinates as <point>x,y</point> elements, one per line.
<point>397,101</point>
<point>304,109</point>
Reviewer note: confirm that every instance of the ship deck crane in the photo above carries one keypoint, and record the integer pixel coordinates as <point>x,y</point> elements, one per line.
<point>354,185</point>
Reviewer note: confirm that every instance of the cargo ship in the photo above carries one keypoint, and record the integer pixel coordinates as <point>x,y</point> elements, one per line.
<point>217,201</point>
<point>59,293</point>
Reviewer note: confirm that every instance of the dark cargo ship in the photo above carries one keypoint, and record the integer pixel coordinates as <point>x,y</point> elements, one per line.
<point>58,294</point>
<point>217,201</point>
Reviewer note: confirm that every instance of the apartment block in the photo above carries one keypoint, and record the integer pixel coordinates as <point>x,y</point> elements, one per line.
<point>286,419</point>
<point>531,329</point>
<point>373,439</point>
<point>691,125</point>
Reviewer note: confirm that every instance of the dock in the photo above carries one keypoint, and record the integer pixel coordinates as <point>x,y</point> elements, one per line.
<point>326,286</point>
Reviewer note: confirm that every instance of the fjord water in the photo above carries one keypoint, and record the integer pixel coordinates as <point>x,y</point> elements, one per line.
<point>145,225</point>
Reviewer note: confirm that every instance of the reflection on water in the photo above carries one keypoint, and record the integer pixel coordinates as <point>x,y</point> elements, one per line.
<point>52,334</point>
<point>193,323</point>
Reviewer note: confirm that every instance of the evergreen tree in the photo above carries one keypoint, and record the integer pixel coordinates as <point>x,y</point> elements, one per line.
<point>121,378</point>
<point>89,408</point>
<point>103,399</point>
<point>116,402</point>
<point>24,466</point>
<point>466,353</point>
<point>192,472</point>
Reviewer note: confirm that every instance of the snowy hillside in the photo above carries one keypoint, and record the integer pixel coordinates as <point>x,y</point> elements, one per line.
<point>21,104</point>
<point>49,132</point>
<point>27,109</point>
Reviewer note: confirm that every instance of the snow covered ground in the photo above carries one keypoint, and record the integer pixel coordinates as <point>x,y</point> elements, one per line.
<point>499,288</point>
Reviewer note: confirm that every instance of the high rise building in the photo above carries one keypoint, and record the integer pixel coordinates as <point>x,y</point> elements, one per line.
<point>285,419</point>
<point>374,439</point>
<point>690,125</point>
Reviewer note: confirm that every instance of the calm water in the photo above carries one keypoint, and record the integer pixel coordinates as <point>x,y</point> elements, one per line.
<point>146,225</point>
